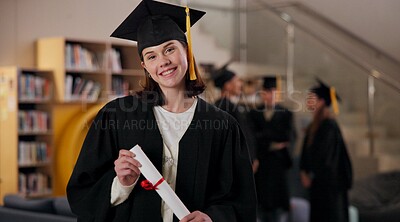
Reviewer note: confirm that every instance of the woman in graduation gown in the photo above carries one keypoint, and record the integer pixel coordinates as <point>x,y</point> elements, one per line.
<point>200,150</point>
<point>325,165</point>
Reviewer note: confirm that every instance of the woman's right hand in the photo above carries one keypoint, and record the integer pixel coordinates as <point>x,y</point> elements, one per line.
<point>127,167</point>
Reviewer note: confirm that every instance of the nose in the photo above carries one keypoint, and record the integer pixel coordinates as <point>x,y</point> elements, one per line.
<point>164,61</point>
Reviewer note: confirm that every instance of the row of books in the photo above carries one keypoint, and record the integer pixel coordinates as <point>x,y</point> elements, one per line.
<point>33,121</point>
<point>120,87</point>
<point>32,184</point>
<point>30,153</point>
<point>115,60</point>
<point>33,88</point>
<point>78,57</point>
<point>80,89</point>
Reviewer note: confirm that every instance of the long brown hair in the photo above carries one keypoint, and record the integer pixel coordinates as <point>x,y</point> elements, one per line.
<point>151,92</point>
<point>320,115</point>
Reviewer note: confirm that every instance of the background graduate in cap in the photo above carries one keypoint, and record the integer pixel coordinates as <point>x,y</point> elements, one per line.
<point>325,165</point>
<point>275,133</point>
<point>231,90</point>
<point>200,150</point>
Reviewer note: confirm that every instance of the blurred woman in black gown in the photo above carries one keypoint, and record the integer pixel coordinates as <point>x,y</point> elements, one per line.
<point>325,165</point>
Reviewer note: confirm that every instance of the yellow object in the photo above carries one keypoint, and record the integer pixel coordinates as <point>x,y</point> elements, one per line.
<point>335,105</point>
<point>8,133</point>
<point>69,147</point>
<point>192,71</point>
<point>278,88</point>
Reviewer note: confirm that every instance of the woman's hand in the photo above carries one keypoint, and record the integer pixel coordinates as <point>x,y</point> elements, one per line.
<point>127,167</point>
<point>196,216</point>
<point>255,165</point>
<point>305,179</point>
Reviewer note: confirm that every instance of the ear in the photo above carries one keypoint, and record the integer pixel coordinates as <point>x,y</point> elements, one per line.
<point>143,65</point>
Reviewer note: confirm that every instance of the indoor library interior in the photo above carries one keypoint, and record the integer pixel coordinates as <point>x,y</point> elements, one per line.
<point>244,110</point>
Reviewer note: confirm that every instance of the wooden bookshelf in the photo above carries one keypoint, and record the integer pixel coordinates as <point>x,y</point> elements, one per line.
<point>26,131</point>
<point>113,66</point>
<point>8,129</point>
<point>108,62</point>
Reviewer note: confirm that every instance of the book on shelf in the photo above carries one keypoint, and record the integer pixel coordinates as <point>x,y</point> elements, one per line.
<point>35,183</point>
<point>33,152</point>
<point>33,88</point>
<point>94,93</point>
<point>84,94</point>
<point>78,88</point>
<point>115,60</point>
<point>120,86</point>
<point>79,57</point>
<point>68,87</point>
<point>32,121</point>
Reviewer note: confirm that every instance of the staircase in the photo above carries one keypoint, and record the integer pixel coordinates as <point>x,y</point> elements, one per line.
<point>386,154</point>
<point>338,68</point>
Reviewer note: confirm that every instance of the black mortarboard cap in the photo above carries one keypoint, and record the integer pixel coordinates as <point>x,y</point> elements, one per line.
<point>269,82</point>
<point>223,75</point>
<point>152,23</point>
<point>323,91</point>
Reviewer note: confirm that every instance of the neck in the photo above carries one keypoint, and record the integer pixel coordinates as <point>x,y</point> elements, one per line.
<point>322,113</point>
<point>176,101</point>
<point>269,104</point>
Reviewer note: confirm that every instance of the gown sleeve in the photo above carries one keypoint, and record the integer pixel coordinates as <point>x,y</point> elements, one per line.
<point>232,194</point>
<point>89,187</point>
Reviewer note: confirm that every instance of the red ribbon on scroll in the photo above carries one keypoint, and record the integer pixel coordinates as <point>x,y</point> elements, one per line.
<point>147,185</point>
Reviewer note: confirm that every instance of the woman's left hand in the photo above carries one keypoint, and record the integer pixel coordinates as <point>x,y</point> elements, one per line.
<point>196,216</point>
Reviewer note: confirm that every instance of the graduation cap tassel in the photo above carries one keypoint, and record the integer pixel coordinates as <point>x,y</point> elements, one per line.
<point>278,88</point>
<point>192,71</point>
<point>335,105</point>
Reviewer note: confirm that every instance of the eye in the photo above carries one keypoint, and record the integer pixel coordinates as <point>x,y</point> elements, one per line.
<point>169,50</point>
<point>150,57</point>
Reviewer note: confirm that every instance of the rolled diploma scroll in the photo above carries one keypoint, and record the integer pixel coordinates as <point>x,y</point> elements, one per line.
<point>164,190</point>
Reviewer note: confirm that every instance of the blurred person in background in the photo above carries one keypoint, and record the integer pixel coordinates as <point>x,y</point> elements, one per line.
<point>231,91</point>
<point>274,127</point>
<point>325,164</point>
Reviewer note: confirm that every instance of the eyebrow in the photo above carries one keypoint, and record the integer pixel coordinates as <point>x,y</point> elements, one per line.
<point>167,45</point>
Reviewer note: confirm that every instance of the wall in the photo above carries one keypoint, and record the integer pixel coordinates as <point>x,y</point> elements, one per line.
<point>375,21</point>
<point>8,43</point>
<point>23,21</point>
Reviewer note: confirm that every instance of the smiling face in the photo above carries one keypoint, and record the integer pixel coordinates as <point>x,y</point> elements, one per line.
<point>167,64</point>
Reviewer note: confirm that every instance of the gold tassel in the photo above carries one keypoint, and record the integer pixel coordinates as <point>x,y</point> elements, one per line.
<point>335,105</point>
<point>278,88</point>
<point>192,71</point>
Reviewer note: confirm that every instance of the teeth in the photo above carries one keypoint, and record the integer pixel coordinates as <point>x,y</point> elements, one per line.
<point>168,72</point>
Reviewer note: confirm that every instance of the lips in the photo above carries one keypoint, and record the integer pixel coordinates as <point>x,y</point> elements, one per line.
<point>167,72</point>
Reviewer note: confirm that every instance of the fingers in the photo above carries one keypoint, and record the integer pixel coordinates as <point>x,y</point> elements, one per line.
<point>127,157</point>
<point>127,153</point>
<point>196,216</point>
<point>127,167</point>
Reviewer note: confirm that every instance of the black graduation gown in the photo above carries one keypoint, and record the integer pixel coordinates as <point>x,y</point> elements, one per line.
<point>240,113</point>
<point>214,172</point>
<point>328,163</point>
<point>271,177</point>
